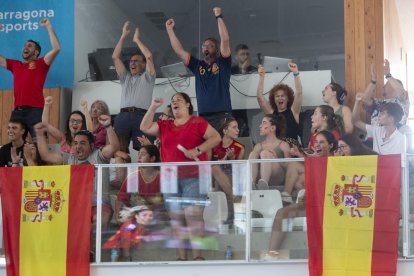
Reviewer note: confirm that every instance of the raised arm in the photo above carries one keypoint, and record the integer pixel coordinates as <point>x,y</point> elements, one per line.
<point>116,55</point>
<point>368,95</point>
<point>88,118</point>
<point>263,103</point>
<point>45,154</point>
<point>54,132</point>
<point>50,56</point>
<point>298,99</point>
<point>356,118</point>
<point>112,145</point>
<point>175,43</point>
<point>401,94</point>
<point>147,124</point>
<point>347,117</point>
<point>146,52</point>
<point>223,32</point>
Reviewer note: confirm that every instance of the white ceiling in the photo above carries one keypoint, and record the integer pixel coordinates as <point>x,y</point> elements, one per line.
<point>406,13</point>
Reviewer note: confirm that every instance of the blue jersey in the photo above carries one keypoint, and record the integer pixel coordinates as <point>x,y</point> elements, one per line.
<point>212,83</point>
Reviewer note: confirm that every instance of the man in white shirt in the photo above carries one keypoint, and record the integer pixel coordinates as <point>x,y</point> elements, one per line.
<point>386,137</point>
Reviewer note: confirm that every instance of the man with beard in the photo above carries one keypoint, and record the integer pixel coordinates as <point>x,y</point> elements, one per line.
<point>243,61</point>
<point>16,132</point>
<point>29,78</point>
<point>212,74</point>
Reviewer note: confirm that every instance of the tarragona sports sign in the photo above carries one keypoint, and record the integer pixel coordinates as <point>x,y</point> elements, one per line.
<point>23,20</point>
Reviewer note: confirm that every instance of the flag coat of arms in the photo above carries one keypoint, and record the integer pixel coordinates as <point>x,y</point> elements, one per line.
<point>353,210</point>
<point>46,219</point>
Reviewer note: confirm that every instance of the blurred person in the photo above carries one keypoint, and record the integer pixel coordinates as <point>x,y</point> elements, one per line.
<point>16,133</point>
<point>137,87</point>
<point>324,118</point>
<point>29,77</point>
<point>350,144</point>
<point>243,61</point>
<point>386,137</point>
<point>228,149</point>
<point>273,147</point>
<point>142,187</point>
<point>392,91</point>
<point>136,222</point>
<point>283,101</point>
<point>196,137</point>
<point>334,95</point>
<point>98,108</point>
<point>325,145</point>
<point>75,122</point>
<point>212,74</point>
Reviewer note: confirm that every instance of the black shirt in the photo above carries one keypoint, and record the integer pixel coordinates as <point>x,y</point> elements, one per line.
<point>5,155</point>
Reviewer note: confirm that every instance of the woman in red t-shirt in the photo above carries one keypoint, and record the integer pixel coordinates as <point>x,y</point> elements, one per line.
<point>186,138</point>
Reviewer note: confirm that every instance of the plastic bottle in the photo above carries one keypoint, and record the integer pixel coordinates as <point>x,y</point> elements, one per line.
<point>114,255</point>
<point>228,254</point>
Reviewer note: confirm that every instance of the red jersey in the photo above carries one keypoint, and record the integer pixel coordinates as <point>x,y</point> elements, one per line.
<point>138,187</point>
<point>28,81</point>
<point>219,151</point>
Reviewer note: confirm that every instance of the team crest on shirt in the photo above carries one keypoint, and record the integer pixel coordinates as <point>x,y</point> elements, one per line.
<point>354,196</point>
<point>202,70</point>
<point>215,69</point>
<point>41,201</point>
<point>32,65</point>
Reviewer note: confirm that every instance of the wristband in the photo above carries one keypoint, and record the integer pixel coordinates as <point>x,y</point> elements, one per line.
<point>15,163</point>
<point>198,150</point>
<point>388,75</point>
<point>296,74</point>
<point>219,16</point>
<point>373,82</point>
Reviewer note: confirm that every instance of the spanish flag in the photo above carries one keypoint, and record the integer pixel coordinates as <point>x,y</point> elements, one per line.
<point>353,210</point>
<point>46,219</point>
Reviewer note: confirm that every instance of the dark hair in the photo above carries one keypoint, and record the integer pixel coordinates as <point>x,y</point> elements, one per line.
<point>285,88</point>
<point>37,45</point>
<point>340,92</point>
<point>68,135</point>
<point>279,121</point>
<point>88,134</point>
<point>224,124</point>
<point>356,145</point>
<point>22,123</point>
<point>153,151</point>
<point>38,160</point>
<point>187,99</point>
<point>139,54</point>
<point>333,120</point>
<point>330,138</point>
<point>241,47</point>
<point>394,110</point>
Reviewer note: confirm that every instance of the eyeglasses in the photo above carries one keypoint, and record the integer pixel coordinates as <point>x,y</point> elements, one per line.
<point>74,121</point>
<point>342,147</point>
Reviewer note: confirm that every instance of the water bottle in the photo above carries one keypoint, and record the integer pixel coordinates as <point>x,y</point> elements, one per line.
<point>114,255</point>
<point>228,254</point>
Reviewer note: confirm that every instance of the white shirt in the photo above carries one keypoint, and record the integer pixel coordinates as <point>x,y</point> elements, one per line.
<point>395,144</point>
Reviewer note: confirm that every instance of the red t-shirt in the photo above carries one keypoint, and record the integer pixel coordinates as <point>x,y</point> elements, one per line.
<point>28,81</point>
<point>219,151</point>
<point>189,135</point>
<point>145,189</point>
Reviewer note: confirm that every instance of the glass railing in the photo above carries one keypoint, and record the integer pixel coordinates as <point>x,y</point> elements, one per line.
<point>212,211</point>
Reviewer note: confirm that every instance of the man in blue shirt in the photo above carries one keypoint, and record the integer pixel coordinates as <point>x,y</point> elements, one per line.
<point>212,74</point>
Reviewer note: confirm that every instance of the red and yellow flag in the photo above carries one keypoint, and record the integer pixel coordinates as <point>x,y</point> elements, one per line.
<point>46,219</point>
<point>353,210</point>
